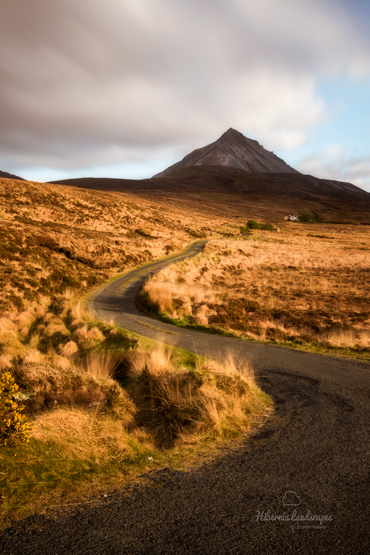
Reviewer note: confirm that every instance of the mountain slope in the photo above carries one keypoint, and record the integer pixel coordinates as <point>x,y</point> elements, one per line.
<point>230,192</point>
<point>10,176</point>
<point>233,150</point>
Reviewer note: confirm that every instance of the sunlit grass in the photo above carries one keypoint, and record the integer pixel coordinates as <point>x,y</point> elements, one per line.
<point>285,289</point>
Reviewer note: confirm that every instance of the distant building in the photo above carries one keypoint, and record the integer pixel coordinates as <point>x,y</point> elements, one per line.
<point>292,218</point>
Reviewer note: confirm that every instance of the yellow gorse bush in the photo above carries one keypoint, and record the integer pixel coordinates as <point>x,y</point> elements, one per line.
<point>13,424</point>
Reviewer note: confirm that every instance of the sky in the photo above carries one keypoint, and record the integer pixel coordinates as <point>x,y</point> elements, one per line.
<point>125,88</point>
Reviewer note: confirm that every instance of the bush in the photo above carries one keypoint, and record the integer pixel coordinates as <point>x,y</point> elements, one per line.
<point>267,227</point>
<point>13,424</point>
<point>252,224</point>
<point>304,216</point>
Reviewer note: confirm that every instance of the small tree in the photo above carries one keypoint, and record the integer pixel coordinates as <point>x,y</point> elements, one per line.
<point>252,224</point>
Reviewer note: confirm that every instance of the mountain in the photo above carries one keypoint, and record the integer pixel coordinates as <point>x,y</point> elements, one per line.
<point>10,176</point>
<point>233,150</point>
<point>235,193</point>
<point>236,176</point>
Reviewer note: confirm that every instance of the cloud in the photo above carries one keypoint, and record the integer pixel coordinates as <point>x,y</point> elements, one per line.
<point>125,80</point>
<point>334,162</point>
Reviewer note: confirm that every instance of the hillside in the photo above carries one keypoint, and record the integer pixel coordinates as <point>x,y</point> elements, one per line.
<point>10,176</point>
<point>53,238</point>
<point>217,191</point>
<point>236,177</point>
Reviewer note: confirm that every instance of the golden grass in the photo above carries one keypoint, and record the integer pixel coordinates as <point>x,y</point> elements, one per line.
<point>69,349</point>
<point>82,435</point>
<point>287,288</point>
<point>102,364</point>
<point>57,239</point>
<point>85,337</point>
<point>7,326</point>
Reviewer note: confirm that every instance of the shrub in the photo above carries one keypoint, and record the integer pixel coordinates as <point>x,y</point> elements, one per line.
<point>13,424</point>
<point>252,224</point>
<point>304,216</point>
<point>267,227</point>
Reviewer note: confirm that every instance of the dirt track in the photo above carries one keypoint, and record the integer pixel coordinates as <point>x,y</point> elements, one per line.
<point>317,446</point>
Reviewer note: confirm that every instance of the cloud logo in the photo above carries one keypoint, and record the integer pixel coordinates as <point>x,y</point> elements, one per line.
<point>291,498</point>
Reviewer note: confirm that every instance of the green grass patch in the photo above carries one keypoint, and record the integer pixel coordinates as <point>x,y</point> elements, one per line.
<point>37,474</point>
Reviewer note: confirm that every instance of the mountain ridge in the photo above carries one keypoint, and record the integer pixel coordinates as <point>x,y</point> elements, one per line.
<point>233,150</point>
<point>236,175</point>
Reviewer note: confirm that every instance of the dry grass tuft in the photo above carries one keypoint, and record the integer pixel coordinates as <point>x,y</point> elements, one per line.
<point>102,364</point>
<point>86,338</point>
<point>69,349</point>
<point>182,405</point>
<point>7,327</point>
<point>160,296</point>
<point>25,319</point>
<point>349,338</point>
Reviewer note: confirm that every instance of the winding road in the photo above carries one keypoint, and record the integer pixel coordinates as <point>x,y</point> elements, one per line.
<point>301,484</point>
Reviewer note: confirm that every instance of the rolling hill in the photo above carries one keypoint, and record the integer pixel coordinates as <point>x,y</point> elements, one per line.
<point>10,176</point>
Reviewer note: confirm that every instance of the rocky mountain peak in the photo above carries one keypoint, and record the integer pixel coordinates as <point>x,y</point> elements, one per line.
<point>232,133</point>
<point>233,150</point>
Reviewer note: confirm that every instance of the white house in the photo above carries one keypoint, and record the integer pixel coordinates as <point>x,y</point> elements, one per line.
<point>292,218</point>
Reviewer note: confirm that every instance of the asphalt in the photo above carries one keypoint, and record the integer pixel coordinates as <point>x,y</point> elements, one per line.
<point>300,484</point>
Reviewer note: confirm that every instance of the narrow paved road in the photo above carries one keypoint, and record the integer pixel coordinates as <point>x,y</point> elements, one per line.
<point>310,460</point>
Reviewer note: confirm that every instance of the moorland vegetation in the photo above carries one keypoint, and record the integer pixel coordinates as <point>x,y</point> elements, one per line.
<point>305,287</point>
<point>85,405</point>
